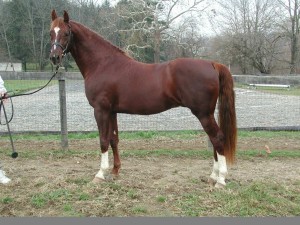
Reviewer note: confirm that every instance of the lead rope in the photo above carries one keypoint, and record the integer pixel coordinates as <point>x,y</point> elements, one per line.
<point>14,152</point>
<point>31,93</point>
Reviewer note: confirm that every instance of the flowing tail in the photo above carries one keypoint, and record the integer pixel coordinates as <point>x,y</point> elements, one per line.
<point>227,115</point>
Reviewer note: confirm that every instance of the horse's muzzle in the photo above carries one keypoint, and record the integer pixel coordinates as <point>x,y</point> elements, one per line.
<point>55,59</point>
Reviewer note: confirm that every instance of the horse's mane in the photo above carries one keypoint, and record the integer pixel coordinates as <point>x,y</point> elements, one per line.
<point>102,39</point>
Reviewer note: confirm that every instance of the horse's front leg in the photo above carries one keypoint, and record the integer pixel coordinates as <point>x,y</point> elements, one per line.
<point>103,123</point>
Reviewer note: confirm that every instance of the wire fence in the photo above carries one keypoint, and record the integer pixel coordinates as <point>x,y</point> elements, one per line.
<point>41,112</point>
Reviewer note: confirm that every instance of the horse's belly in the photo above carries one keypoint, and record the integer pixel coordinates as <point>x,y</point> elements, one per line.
<point>144,107</point>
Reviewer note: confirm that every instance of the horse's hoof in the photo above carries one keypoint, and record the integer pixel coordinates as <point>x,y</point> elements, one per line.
<point>115,176</point>
<point>220,186</point>
<point>211,182</point>
<point>109,177</point>
<point>97,180</point>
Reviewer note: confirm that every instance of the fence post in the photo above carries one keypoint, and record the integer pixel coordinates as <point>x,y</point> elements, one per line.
<point>63,108</point>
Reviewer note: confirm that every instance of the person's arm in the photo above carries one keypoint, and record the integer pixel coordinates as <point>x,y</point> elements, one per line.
<point>2,88</point>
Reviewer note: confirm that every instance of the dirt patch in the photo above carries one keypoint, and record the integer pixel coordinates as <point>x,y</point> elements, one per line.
<point>52,185</point>
<point>142,182</point>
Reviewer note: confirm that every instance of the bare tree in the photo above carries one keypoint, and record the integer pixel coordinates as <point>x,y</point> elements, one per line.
<point>187,40</point>
<point>166,10</point>
<point>5,22</point>
<point>154,18</point>
<point>41,13</point>
<point>251,26</point>
<point>290,25</point>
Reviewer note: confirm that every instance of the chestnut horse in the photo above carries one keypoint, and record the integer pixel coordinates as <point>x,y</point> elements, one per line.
<point>116,83</point>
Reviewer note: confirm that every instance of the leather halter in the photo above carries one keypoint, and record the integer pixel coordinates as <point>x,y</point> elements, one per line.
<point>66,49</point>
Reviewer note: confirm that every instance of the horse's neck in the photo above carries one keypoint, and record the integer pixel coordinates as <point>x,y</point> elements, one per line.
<point>90,49</point>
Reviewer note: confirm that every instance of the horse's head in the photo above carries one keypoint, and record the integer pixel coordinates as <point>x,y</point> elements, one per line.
<point>61,37</point>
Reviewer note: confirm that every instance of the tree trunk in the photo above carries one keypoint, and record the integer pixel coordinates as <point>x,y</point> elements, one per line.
<point>41,66</point>
<point>157,46</point>
<point>294,37</point>
<point>294,54</point>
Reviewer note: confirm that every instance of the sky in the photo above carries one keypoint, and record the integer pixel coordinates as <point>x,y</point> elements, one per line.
<point>112,2</point>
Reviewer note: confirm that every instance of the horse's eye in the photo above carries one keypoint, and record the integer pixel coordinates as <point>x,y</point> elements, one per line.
<point>51,33</point>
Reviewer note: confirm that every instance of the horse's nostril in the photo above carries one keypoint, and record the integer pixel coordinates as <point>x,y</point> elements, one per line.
<point>55,59</point>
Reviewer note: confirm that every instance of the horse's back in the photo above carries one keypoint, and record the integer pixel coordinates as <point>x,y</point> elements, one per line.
<point>193,69</point>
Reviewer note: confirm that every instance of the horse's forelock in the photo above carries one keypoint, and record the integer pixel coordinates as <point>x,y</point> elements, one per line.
<point>58,22</point>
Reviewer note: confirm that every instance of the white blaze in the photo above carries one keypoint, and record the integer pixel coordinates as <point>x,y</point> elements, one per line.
<point>56,30</point>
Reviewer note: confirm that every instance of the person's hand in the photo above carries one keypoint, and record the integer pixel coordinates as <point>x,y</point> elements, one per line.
<point>4,96</point>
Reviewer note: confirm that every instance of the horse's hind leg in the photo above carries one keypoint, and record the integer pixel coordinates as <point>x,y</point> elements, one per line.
<point>216,137</point>
<point>114,141</point>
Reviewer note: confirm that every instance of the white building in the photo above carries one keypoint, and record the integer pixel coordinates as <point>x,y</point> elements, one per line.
<point>7,66</point>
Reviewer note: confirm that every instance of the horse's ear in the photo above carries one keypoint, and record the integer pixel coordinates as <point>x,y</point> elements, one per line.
<point>53,14</point>
<point>66,17</point>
